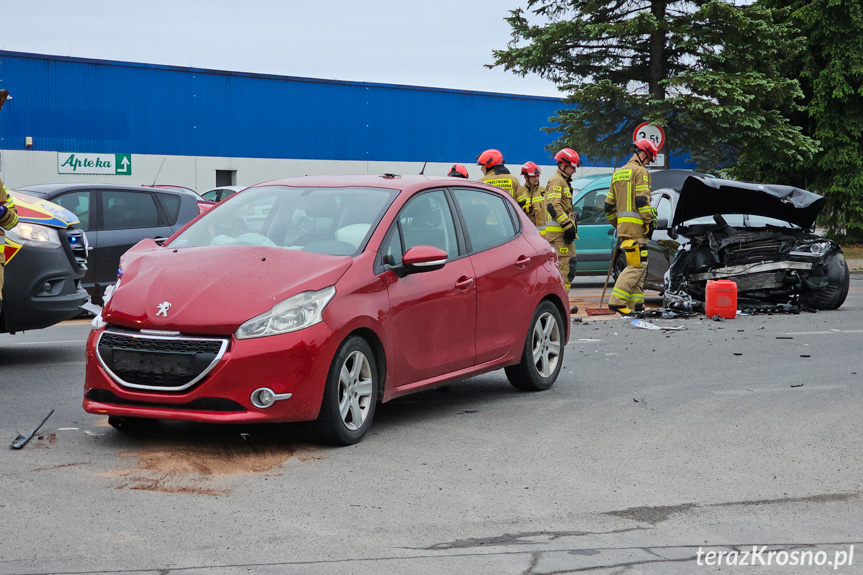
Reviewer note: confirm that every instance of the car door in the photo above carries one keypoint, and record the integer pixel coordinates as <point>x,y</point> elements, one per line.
<point>126,217</point>
<point>505,265</point>
<point>595,235</point>
<point>661,248</point>
<point>80,203</point>
<point>432,315</point>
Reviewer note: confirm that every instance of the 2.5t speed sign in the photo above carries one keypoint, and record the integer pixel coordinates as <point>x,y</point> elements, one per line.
<point>653,133</point>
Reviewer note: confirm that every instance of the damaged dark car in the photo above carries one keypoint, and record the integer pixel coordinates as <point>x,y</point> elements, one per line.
<point>761,237</point>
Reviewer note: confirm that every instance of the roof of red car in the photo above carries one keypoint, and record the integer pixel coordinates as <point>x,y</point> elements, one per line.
<point>390,181</point>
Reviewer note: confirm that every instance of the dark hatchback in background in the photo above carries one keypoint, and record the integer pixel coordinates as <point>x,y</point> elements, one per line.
<point>45,262</point>
<point>117,217</point>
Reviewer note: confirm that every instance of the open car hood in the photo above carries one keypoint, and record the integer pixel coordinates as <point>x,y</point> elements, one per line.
<point>701,197</point>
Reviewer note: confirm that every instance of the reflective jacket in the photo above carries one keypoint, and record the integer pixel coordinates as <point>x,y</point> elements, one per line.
<point>537,212</point>
<point>558,200</point>
<point>7,221</point>
<point>499,176</point>
<point>627,205</point>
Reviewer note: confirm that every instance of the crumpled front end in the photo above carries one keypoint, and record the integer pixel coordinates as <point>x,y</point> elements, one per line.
<point>786,269</point>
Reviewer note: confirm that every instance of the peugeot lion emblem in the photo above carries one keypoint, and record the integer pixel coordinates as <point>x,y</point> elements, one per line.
<point>163,309</point>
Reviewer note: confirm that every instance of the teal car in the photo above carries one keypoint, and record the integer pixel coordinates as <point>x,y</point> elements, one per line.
<point>596,237</point>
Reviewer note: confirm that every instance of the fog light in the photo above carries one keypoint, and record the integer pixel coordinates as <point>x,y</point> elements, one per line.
<point>46,288</point>
<point>265,397</point>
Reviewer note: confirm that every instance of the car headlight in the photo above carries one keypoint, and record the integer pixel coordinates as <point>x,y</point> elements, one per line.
<point>816,249</point>
<point>34,235</point>
<point>295,313</point>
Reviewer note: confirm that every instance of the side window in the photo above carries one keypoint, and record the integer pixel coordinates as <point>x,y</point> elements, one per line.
<point>79,204</point>
<point>590,208</point>
<point>126,210</point>
<point>663,209</point>
<point>212,195</point>
<point>426,220</point>
<point>392,248</point>
<point>486,217</point>
<point>171,203</point>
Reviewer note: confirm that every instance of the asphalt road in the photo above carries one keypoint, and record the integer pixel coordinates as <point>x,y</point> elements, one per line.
<point>653,449</point>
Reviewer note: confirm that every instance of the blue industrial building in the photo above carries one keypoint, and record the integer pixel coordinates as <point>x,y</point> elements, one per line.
<point>84,105</point>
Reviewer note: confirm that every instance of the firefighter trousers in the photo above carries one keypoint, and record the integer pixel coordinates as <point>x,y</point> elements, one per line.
<point>629,287</point>
<point>565,252</point>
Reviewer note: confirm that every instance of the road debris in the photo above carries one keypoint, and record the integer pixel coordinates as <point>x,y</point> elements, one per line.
<point>22,440</point>
<point>647,325</point>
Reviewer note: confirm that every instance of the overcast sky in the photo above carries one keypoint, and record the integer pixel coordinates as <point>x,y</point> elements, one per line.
<point>440,44</point>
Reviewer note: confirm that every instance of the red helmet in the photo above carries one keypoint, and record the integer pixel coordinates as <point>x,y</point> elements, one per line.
<point>489,158</point>
<point>530,169</point>
<point>568,156</point>
<point>457,171</point>
<point>647,146</point>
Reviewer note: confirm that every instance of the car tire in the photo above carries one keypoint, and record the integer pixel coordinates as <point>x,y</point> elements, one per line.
<point>132,425</point>
<point>619,265</point>
<point>542,357</point>
<point>350,395</point>
<point>834,293</point>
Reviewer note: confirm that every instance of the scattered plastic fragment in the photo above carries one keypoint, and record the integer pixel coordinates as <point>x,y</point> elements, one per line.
<point>647,325</point>
<point>22,440</point>
<point>798,385</point>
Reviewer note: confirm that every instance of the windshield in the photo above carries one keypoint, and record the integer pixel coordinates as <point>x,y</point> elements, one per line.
<point>334,221</point>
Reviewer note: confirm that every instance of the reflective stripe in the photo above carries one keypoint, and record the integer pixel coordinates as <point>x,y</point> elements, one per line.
<point>553,228</point>
<point>642,188</point>
<point>629,215</point>
<point>637,221</point>
<point>620,293</point>
<point>552,196</point>
<point>561,218</point>
<point>637,297</point>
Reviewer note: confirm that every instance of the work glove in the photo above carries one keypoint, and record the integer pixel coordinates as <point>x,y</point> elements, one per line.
<point>569,234</point>
<point>649,229</point>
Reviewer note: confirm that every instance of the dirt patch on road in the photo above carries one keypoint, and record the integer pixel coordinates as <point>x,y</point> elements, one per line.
<point>199,466</point>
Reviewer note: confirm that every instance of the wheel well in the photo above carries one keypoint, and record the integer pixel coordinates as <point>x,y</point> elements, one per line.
<point>380,357</point>
<point>562,310</point>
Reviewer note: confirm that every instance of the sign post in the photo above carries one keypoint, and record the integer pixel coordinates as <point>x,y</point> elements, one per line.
<point>656,135</point>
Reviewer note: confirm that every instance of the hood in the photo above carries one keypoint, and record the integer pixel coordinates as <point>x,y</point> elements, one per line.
<point>701,197</point>
<point>213,290</point>
<point>35,210</point>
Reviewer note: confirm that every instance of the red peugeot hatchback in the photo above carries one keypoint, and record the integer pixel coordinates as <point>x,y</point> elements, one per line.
<point>316,298</point>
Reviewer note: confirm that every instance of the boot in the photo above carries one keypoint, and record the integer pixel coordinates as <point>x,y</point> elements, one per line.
<point>621,309</point>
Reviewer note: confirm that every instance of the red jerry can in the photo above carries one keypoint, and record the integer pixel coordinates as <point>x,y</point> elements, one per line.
<point>721,299</point>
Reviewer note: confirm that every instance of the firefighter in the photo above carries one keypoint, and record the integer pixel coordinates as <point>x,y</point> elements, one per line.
<point>535,195</point>
<point>8,220</point>
<point>561,230</point>
<point>496,173</point>
<point>457,171</point>
<point>628,209</point>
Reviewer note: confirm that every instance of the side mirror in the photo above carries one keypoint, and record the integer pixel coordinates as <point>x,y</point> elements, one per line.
<point>661,223</point>
<point>577,212</point>
<point>160,240</point>
<point>424,259</point>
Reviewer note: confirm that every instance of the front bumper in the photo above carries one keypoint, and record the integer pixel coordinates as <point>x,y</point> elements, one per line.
<point>295,363</point>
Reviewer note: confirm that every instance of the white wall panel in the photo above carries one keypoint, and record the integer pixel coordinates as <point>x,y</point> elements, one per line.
<point>20,168</point>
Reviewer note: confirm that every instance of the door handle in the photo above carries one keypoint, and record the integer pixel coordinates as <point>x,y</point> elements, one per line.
<point>464,283</point>
<point>522,262</point>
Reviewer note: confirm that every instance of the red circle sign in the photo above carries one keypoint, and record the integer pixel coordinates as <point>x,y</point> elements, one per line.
<point>651,132</point>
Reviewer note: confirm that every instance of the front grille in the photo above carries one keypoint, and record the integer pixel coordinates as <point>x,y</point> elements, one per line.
<point>75,244</point>
<point>157,362</point>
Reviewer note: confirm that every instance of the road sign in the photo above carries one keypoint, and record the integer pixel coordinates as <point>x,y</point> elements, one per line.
<point>108,164</point>
<point>650,131</point>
